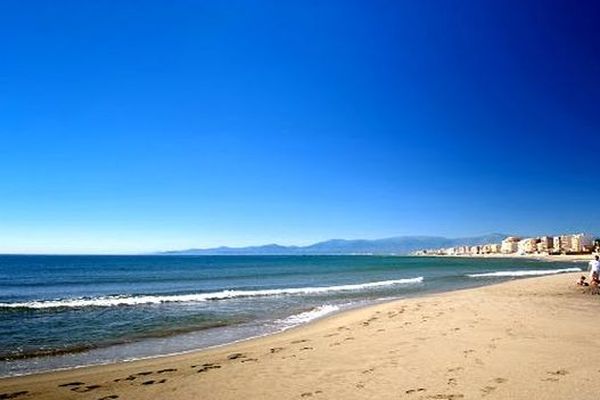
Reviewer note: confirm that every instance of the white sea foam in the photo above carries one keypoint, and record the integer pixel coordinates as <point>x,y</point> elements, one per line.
<point>531,272</point>
<point>308,316</point>
<point>108,301</point>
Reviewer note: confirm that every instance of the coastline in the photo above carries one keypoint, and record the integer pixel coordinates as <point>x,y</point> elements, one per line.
<point>501,341</point>
<point>539,257</point>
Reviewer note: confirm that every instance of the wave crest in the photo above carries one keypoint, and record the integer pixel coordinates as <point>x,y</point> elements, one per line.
<point>110,301</point>
<point>308,316</point>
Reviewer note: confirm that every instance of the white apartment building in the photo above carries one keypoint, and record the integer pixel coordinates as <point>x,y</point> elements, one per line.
<point>510,245</point>
<point>545,244</point>
<point>581,243</point>
<point>527,246</point>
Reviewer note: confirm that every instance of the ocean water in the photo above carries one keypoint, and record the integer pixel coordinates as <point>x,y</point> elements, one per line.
<point>66,311</point>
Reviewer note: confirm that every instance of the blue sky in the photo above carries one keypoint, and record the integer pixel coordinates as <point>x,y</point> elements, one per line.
<point>132,126</point>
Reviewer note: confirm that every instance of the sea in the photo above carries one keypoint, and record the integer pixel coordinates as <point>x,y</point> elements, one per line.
<point>60,312</point>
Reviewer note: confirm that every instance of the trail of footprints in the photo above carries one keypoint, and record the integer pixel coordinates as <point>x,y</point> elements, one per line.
<point>144,378</point>
<point>141,378</point>
<point>147,378</point>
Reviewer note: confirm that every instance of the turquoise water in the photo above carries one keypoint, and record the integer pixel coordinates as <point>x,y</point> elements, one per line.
<point>63,311</point>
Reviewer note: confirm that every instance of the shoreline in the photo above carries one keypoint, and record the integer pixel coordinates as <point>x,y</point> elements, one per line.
<point>278,355</point>
<point>348,307</point>
<point>539,257</point>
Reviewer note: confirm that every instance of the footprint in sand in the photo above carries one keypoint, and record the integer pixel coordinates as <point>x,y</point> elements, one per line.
<point>331,334</point>
<point>310,394</point>
<point>307,348</point>
<point>250,360</point>
<point>409,391</point>
<point>446,396</point>
<point>452,382</point>
<point>13,395</point>
<point>500,380</point>
<point>550,380</point>
<point>300,341</point>
<point>274,350</point>
<point>162,371</point>
<point>152,382</point>
<point>560,372</point>
<point>85,389</point>
<point>368,371</point>
<point>555,375</point>
<point>133,377</point>
<point>235,356</point>
<point>208,366</point>
<point>71,384</point>
<point>109,397</point>
<point>487,390</point>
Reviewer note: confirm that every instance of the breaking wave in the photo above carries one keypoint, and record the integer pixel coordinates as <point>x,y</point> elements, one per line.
<point>109,301</point>
<point>531,272</point>
<point>308,316</point>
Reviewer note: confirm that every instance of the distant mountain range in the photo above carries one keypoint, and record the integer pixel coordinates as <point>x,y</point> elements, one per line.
<point>400,245</point>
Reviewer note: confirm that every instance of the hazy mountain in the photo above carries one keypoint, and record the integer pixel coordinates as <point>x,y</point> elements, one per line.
<point>394,245</point>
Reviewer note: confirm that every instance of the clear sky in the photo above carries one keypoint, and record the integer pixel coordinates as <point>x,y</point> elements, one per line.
<point>132,126</point>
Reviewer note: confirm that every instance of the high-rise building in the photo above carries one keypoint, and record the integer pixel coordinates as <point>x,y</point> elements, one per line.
<point>527,246</point>
<point>510,245</point>
<point>581,243</point>
<point>545,244</point>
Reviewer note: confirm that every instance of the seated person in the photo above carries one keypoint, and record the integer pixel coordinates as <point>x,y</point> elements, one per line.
<point>582,282</point>
<point>595,284</point>
<point>595,279</point>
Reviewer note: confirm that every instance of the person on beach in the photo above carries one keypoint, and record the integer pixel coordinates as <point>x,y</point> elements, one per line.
<point>594,267</point>
<point>582,282</point>
<point>595,283</point>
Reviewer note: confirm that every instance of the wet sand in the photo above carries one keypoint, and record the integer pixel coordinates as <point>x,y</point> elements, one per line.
<point>535,338</point>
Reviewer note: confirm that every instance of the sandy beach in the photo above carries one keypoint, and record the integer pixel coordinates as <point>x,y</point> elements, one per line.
<point>527,339</point>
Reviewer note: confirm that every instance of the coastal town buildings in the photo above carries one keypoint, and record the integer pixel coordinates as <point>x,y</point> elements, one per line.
<point>545,244</point>
<point>563,244</point>
<point>527,246</point>
<point>510,245</point>
<point>582,243</point>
